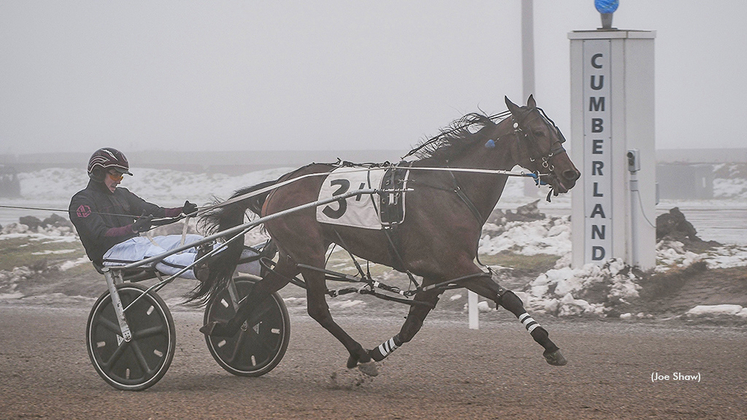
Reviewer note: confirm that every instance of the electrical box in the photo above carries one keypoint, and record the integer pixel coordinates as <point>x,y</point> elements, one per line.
<point>634,160</point>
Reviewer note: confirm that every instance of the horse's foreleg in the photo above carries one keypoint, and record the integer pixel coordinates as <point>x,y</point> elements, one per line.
<point>426,302</point>
<point>488,288</point>
<point>513,304</point>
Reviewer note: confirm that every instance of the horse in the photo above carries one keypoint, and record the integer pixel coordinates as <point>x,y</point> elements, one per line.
<point>445,212</point>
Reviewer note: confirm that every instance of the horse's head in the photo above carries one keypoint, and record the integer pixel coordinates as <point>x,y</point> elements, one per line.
<point>539,146</point>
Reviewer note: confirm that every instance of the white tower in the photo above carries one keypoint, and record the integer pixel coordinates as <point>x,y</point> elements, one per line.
<point>613,143</point>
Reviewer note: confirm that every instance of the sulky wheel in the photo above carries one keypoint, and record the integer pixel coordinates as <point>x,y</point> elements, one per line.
<point>143,361</point>
<point>261,342</point>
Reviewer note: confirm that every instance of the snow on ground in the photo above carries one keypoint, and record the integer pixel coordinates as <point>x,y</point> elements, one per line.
<point>730,188</point>
<point>556,291</point>
<point>701,310</point>
<point>156,185</point>
<point>549,236</point>
<point>50,234</point>
<point>559,291</point>
<point>59,184</point>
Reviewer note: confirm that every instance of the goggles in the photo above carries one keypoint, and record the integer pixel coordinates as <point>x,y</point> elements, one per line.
<point>116,176</point>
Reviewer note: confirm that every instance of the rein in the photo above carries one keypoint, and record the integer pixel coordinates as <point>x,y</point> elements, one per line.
<point>420,168</point>
<point>495,117</point>
<point>164,220</point>
<point>290,181</point>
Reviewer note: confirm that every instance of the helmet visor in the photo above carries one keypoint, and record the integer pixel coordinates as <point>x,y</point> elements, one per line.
<point>121,171</point>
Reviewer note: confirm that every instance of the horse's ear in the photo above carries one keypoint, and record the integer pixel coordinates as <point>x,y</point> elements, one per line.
<point>531,103</point>
<point>512,107</point>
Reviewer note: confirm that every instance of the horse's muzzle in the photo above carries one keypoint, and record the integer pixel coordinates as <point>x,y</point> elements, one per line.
<point>566,180</point>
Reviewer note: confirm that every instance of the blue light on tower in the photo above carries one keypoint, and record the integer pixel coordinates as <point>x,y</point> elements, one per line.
<point>606,8</point>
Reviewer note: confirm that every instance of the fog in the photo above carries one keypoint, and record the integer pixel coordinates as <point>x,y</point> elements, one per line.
<point>330,75</point>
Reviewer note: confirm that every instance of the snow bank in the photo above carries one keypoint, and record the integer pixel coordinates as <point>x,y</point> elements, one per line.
<point>673,253</point>
<point>584,291</point>
<point>19,230</point>
<point>74,263</point>
<point>161,186</point>
<point>716,310</point>
<point>730,188</point>
<point>9,281</point>
<point>727,257</point>
<point>549,236</point>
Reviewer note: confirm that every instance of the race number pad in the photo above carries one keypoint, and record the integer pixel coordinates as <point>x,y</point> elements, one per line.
<point>358,210</point>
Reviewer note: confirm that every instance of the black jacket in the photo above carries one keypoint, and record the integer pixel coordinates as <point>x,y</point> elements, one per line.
<point>104,219</point>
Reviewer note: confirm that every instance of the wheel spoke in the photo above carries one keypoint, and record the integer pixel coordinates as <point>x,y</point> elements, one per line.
<point>141,359</point>
<point>263,341</point>
<point>110,325</point>
<point>236,351</point>
<point>149,332</point>
<point>115,356</point>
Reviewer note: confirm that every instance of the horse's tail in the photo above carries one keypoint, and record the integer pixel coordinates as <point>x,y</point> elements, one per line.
<point>218,219</point>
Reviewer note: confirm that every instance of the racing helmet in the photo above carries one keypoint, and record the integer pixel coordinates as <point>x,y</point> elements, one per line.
<point>105,159</point>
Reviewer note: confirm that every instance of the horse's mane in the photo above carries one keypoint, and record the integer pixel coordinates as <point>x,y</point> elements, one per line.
<point>453,139</point>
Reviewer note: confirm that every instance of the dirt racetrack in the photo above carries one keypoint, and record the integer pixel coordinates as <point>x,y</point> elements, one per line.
<point>447,371</point>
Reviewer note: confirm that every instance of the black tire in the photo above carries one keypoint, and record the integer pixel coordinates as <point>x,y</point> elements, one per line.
<point>143,361</point>
<point>257,348</point>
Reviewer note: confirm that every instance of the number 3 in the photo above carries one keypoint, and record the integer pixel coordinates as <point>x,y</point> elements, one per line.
<point>344,186</point>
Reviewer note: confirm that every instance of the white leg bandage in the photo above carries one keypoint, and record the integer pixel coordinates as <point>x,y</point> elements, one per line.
<point>529,323</point>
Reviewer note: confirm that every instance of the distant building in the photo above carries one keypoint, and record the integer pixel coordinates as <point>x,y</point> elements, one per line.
<point>689,173</point>
<point>10,186</point>
<point>685,181</point>
<point>731,155</point>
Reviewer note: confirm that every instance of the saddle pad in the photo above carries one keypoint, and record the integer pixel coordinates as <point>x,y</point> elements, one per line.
<point>356,211</point>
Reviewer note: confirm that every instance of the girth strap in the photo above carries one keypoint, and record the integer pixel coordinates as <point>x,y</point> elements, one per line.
<point>470,205</point>
<point>395,252</point>
<point>475,212</point>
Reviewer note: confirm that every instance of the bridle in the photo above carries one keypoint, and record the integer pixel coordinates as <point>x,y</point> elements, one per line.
<point>555,149</point>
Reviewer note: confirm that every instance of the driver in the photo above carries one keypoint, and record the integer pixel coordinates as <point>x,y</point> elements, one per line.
<point>109,220</point>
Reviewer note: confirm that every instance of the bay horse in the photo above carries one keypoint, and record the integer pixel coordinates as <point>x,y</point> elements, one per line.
<point>437,240</point>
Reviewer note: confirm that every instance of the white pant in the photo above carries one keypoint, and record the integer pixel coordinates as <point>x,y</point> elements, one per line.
<point>141,247</point>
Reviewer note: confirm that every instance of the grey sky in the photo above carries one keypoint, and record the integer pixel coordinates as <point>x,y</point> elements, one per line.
<point>246,75</point>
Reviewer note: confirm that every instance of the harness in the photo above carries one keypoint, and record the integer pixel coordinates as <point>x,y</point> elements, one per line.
<point>557,146</point>
<point>531,141</point>
<point>393,184</point>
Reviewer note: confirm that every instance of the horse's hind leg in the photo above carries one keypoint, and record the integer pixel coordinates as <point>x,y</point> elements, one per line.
<point>426,301</point>
<point>318,309</point>
<point>488,288</point>
<point>271,283</point>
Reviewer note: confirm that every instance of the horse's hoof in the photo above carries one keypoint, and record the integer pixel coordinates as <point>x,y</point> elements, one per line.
<point>368,368</point>
<point>213,329</point>
<point>207,329</point>
<point>352,362</point>
<point>555,358</point>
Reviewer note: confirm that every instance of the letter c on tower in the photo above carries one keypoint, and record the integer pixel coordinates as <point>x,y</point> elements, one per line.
<point>594,59</point>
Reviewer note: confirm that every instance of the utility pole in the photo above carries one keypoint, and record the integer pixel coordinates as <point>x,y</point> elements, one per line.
<point>527,47</point>
<point>527,71</point>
